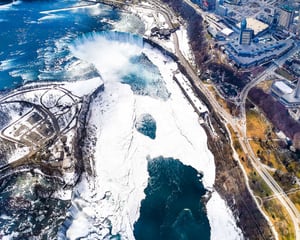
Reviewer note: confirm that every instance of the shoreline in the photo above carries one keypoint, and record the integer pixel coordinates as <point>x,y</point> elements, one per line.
<point>225,183</point>
<point>253,223</point>
<point>236,203</point>
<point>209,129</point>
<point>130,147</point>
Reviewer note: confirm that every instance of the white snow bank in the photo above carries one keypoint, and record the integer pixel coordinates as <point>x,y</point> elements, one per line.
<point>184,44</point>
<point>181,135</point>
<point>153,19</point>
<point>18,153</point>
<point>113,201</point>
<point>81,88</point>
<point>222,222</point>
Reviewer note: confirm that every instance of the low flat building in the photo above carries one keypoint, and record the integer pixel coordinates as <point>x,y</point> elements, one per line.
<point>255,54</point>
<point>286,93</point>
<point>227,32</point>
<point>221,35</point>
<point>212,31</point>
<point>281,87</point>
<point>258,27</point>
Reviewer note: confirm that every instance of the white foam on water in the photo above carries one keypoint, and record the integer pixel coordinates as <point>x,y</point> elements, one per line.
<point>7,64</point>
<point>9,6</point>
<point>111,58</point>
<point>75,8</point>
<point>50,17</point>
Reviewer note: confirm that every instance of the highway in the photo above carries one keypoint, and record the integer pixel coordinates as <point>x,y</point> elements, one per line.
<point>239,125</point>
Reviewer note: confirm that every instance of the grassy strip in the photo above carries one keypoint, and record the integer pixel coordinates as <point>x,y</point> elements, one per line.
<point>276,213</point>
<point>280,219</point>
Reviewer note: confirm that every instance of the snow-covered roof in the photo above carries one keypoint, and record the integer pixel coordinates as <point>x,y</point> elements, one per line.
<point>283,87</point>
<point>227,31</point>
<point>256,25</point>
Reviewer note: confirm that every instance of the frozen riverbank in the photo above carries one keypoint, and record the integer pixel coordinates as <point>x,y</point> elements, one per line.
<point>121,152</point>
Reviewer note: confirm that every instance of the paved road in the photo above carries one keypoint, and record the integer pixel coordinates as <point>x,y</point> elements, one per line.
<point>239,125</point>
<point>48,115</point>
<point>261,77</point>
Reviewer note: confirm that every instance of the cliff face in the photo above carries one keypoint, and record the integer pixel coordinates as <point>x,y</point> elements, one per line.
<point>230,181</point>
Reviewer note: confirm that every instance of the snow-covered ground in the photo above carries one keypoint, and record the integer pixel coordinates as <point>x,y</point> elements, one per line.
<point>111,204</point>
<point>152,19</point>
<point>18,153</point>
<point>184,44</point>
<point>62,99</point>
<point>81,88</point>
<point>221,220</point>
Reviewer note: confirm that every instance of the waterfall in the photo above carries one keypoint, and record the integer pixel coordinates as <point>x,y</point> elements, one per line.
<point>122,37</point>
<point>110,52</point>
<point>119,56</point>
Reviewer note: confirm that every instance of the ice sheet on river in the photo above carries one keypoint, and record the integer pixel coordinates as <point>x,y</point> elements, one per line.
<point>108,205</point>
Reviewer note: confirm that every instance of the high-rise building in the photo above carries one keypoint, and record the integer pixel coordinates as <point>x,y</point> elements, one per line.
<point>243,24</point>
<point>220,8</point>
<point>297,90</point>
<point>274,19</point>
<point>246,37</point>
<point>246,34</point>
<point>286,15</point>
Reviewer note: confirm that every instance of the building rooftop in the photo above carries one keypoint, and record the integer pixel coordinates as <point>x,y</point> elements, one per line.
<point>290,100</point>
<point>254,54</point>
<point>256,25</point>
<point>287,94</point>
<point>227,31</point>
<point>287,8</point>
<point>283,87</point>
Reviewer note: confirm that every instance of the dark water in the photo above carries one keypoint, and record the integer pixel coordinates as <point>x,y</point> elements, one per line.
<point>2,2</point>
<point>35,48</point>
<point>27,208</point>
<point>146,125</point>
<point>33,42</point>
<point>172,208</point>
<point>147,80</point>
